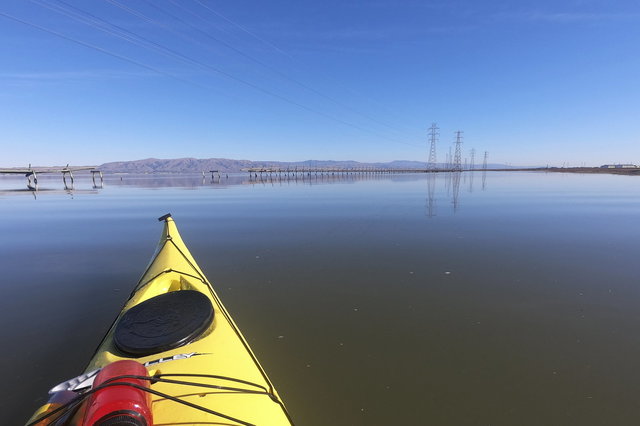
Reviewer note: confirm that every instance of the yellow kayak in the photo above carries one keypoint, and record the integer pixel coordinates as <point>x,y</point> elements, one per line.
<point>199,368</point>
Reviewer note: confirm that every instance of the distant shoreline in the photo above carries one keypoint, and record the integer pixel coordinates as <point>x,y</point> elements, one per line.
<point>635,171</point>
<point>587,170</point>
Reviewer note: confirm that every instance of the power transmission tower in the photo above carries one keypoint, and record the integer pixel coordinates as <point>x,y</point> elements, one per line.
<point>473,156</point>
<point>484,163</point>
<point>433,137</point>
<point>457,158</point>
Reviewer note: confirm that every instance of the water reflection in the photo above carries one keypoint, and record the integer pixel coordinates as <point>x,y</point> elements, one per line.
<point>431,190</point>
<point>451,181</point>
<point>455,189</point>
<point>93,179</point>
<point>357,262</point>
<point>439,184</point>
<point>310,178</point>
<point>46,184</point>
<point>484,178</point>
<point>7,184</point>
<point>39,193</point>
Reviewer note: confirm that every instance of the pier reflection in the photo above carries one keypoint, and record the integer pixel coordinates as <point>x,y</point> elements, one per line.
<point>13,184</point>
<point>224,181</point>
<point>316,178</point>
<point>442,187</point>
<point>42,192</point>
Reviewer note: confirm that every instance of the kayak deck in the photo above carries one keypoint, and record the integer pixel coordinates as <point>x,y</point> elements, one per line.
<point>234,385</point>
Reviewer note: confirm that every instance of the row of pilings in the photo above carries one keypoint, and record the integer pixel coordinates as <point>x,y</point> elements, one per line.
<point>311,171</point>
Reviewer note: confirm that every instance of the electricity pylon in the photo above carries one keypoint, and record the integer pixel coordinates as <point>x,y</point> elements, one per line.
<point>433,138</point>
<point>457,158</point>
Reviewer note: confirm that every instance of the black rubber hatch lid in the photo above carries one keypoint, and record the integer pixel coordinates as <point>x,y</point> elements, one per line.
<point>163,322</point>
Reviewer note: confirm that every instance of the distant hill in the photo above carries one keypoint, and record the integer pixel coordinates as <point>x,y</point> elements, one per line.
<point>225,165</point>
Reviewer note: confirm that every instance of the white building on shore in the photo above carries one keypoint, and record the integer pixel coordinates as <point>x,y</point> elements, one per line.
<point>618,166</point>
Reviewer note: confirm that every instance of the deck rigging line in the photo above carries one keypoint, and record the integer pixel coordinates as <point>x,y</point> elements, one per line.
<point>111,382</point>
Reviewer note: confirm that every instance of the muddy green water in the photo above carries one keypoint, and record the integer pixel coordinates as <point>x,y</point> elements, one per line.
<point>510,298</point>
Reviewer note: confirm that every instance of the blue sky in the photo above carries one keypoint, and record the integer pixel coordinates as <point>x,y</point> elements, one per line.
<point>532,82</point>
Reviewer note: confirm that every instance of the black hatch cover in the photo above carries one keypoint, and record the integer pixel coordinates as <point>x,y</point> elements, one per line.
<point>163,322</point>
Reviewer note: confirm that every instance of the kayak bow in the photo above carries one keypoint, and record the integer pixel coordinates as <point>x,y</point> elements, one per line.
<point>175,325</point>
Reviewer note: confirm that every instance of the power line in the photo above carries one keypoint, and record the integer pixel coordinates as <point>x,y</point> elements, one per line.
<point>263,64</point>
<point>122,33</point>
<point>175,54</point>
<point>369,99</point>
<point>99,49</point>
<point>268,43</point>
<point>243,81</point>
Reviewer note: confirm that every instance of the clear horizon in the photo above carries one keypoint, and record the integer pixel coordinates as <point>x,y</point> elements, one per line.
<point>535,83</point>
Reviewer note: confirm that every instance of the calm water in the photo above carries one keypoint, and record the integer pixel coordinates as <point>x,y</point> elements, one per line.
<point>512,299</point>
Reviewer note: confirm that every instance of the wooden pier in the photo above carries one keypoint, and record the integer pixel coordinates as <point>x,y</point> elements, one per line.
<point>31,173</point>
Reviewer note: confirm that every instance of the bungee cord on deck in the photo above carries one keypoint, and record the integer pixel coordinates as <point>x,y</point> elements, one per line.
<point>73,403</point>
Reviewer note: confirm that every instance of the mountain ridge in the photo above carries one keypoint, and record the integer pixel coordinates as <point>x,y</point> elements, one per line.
<point>226,165</point>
